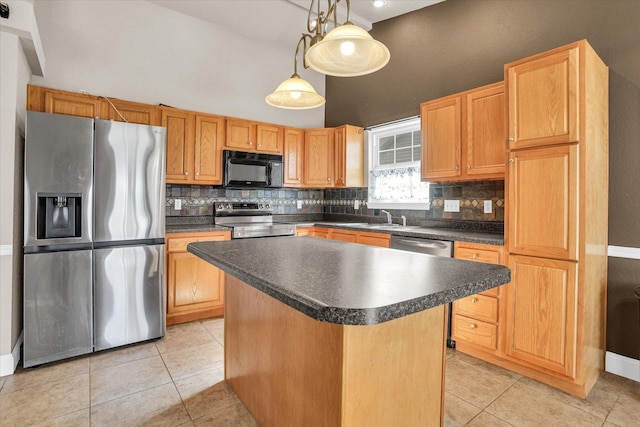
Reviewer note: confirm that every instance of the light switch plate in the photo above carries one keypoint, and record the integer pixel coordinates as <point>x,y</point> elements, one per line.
<point>488,206</point>
<point>177,204</point>
<point>299,204</point>
<point>452,205</point>
<point>356,204</point>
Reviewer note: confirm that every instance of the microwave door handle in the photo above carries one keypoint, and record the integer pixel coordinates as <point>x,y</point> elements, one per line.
<point>268,177</point>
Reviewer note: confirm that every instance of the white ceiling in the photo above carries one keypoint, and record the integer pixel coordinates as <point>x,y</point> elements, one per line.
<point>282,21</point>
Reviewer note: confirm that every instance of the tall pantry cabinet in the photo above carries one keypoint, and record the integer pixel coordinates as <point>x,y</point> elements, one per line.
<point>557,186</point>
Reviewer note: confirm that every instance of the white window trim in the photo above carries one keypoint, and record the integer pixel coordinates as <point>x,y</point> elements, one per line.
<point>372,137</point>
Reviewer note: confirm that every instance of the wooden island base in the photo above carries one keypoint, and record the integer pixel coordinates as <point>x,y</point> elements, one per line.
<point>291,370</point>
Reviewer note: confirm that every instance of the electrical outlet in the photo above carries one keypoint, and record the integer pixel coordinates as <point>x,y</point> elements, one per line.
<point>452,205</point>
<point>177,204</point>
<point>299,204</point>
<point>356,204</point>
<point>488,206</point>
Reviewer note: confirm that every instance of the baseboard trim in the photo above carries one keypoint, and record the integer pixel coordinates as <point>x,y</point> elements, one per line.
<point>9,362</point>
<point>622,365</point>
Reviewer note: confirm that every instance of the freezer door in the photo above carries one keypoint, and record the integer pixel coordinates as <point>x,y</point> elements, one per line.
<point>129,302</point>
<point>129,181</point>
<point>57,306</point>
<point>58,159</point>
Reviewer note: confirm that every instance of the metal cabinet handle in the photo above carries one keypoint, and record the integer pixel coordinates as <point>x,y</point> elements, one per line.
<point>511,139</point>
<point>474,256</point>
<point>474,300</point>
<point>468,166</point>
<point>186,174</point>
<point>457,168</point>
<point>197,173</point>
<point>328,179</point>
<point>512,160</point>
<point>250,143</point>
<point>473,326</point>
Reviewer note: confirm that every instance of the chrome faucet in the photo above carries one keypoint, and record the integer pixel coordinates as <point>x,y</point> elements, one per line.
<point>404,220</point>
<point>388,216</point>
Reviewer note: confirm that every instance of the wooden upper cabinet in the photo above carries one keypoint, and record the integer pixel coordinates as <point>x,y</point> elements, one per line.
<point>349,156</point>
<point>485,138</point>
<point>71,104</point>
<point>245,135</point>
<point>543,99</point>
<point>194,147</point>
<point>209,139</point>
<point>180,144</point>
<point>543,202</point>
<point>132,112</point>
<point>542,313</point>
<point>318,157</point>
<point>293,157</point>
<point>441,138</point>
<point>464,136</point>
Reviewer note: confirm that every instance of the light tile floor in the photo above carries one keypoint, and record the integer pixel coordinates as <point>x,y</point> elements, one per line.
<point>178,381</point>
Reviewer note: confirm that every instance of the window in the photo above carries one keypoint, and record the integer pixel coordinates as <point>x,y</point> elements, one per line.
<point>394,166</point>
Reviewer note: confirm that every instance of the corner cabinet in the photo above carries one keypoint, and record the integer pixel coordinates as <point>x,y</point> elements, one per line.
<point>293,157</point>
<point>557,182</point>
<point>318,157</point>
<point>194,147</point>
<point>195,288</point>
<point>464,136</point>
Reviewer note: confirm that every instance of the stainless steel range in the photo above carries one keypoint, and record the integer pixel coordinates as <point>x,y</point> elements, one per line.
<point>250,220</point>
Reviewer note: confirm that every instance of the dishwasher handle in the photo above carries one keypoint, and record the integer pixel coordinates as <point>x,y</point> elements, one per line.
<point>425,245</point>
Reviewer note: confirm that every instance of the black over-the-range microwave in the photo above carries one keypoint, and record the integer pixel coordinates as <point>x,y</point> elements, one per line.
<point>242,169</point>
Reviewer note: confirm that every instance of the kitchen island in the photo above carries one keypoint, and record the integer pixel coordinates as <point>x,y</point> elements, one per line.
<point>321,332</point>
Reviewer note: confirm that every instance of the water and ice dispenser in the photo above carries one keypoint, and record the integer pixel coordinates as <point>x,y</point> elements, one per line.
<point>59,215</point>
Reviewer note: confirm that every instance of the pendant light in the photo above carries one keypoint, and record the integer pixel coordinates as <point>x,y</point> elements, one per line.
<point>295,93</point>
<point>347,50</point>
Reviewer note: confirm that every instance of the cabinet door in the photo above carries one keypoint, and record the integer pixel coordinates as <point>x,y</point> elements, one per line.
<point>208,149</point>
<point>293,157</point>
<point>486,142</point>
<point>543,202</point>
<point>71,104</point>
<point>374,239</point>
<point>179,126</point>
<point>441,138</point>
<point>240,135</point>
<point>343,235</point>
<point>543,100</point>
<point>193,284</point>
<point>132,112</point>
<point>318,157</point>
<point>269,138</point>
<point>340,156</point>
<point>541,313</point>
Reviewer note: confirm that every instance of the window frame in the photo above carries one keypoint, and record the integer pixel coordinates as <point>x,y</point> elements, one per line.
<point>373,136</point>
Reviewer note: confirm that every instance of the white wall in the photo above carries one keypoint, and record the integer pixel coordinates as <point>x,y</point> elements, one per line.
<point>14,75</point>
<point>138,51</point>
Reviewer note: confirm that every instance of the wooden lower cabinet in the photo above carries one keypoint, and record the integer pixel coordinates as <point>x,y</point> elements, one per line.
<point>195,288</point>
<point>362,237</point>
<point>477,321</point>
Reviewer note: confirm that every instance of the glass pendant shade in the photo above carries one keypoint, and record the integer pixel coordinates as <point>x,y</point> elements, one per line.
<point>347,51</point>
<point>295,93</point>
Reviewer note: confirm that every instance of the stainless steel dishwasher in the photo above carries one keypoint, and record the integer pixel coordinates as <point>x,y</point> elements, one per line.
<point>443,248</point>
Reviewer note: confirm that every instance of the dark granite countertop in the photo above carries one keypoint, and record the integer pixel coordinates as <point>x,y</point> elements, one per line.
<point>347,283</point>
<point>194,228</point>
<point>452,234</point>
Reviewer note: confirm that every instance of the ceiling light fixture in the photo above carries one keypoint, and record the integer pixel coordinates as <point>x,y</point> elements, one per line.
<point>379,3</point>
<point>345,51</point>
<point>295,93</point>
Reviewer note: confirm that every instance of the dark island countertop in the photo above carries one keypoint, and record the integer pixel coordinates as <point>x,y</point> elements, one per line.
<point>347,283</point>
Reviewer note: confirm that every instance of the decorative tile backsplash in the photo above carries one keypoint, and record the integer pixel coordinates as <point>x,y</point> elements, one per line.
<point>197,200</point>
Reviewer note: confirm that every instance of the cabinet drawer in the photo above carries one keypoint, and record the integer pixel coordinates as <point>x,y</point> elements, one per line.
<point>475,332</point>
<point>179,244</point>
<point>478,306</point>
<point>480,255</point>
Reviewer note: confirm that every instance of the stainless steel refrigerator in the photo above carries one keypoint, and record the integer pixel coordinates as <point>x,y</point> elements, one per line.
<point>94,235</point>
